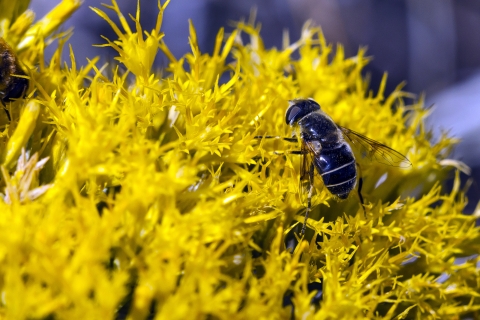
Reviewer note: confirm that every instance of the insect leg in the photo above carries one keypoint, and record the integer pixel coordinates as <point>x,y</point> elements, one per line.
<point>277,137</point>
<point>6,111</point>
<point>309,200</point>
<point>359,190</point>
<point>289,152</point>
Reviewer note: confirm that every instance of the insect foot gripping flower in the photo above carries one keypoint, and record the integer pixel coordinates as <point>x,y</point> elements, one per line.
<point>158,199</point>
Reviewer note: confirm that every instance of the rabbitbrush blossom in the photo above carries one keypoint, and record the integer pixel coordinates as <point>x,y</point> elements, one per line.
<point>134,194</point>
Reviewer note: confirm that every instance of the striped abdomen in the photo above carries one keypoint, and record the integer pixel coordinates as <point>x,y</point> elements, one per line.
<point>337,168</point>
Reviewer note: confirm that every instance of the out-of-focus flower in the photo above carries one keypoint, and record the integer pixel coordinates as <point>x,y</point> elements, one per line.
<point>21,186</point>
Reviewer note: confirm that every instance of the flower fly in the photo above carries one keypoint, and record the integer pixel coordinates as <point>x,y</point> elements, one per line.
<point>326,149</point>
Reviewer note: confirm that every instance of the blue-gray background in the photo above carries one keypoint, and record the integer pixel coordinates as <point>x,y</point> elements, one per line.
<point>433,45</point>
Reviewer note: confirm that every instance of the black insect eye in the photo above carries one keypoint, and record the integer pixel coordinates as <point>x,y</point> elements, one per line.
<point>291,114</point>
<point>299,108</point>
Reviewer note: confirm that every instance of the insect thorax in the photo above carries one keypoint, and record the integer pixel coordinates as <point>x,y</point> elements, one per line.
<point>317,126</point>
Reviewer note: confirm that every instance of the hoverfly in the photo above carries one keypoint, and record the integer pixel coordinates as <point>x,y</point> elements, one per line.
<point>326,148</point>
<point>11,86</point>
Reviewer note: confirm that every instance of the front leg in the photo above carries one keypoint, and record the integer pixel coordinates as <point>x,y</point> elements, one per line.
<point>294,139</point>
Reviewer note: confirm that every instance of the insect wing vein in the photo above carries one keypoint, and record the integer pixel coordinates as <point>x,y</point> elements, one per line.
<point>305,183</point>
<point>376,150</point>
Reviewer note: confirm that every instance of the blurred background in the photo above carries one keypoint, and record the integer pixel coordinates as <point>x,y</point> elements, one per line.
<point>432,45</point>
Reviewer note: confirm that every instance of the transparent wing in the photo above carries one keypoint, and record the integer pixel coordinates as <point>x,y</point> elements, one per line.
<point>376,150</point>
<point>305,180</point>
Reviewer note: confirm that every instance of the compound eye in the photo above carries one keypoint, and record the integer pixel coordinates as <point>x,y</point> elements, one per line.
<point>292,113</point>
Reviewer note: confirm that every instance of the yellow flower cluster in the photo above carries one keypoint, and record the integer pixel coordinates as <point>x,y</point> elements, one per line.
<point>147,195</point>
